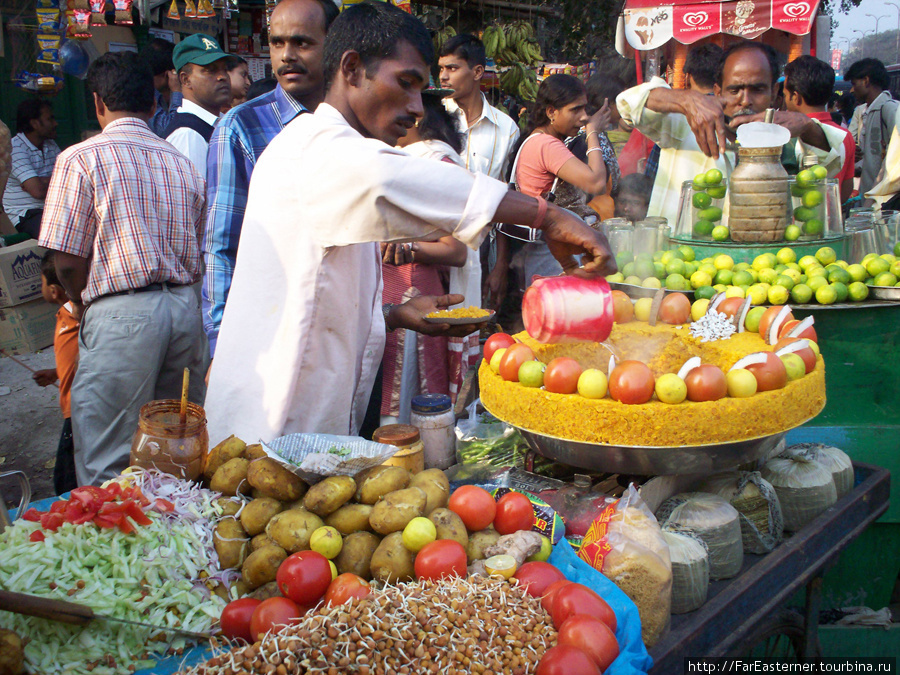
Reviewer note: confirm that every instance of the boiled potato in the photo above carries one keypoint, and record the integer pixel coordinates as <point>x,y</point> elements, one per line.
<point>231,478</point>
<point>261,566</point>
<point>449,526</point>
<point>350,518</point>
<point>479,541</point>
<point>257,494</point>
<point>273,480</point>
<point>257,514</point>
<point>392,561</point>
<point>231,542</point>
<point>356,554</point>
<point>436,487</point>
<point>396,509</point>
<point>266,591</point>
<point>327,496</point>
<point>261,540</point>
<point>380,481</point>
<point>12,654</point>
<point>231,448</point>
<point>254,451</point>
<point>292,529</point>
<point>230,507</point>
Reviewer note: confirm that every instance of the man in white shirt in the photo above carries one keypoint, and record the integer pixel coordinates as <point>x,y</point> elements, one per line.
<point>303,330</point>
<point>206,86</point>
<point>691,127</point>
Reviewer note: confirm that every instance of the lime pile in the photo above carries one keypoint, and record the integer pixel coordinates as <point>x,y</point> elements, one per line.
<point>808,192</point>
<point>773,278</point>
<point>706,199</point>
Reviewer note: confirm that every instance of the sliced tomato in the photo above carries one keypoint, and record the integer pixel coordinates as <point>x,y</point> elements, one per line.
<point>164,506</point>
<point>58,506</point>
<point>115,490</point>
<point>105,523</point>
<point>76,513</point>
<point>52,521</point>
<point>125,526</point>
<point>133,510</point>
<point>32,516</point>
<point>37,535</point>
<point>138,496</point>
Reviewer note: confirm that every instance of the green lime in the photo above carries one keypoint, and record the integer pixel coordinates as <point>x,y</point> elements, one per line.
<point>820,172</point>
<point>628,269</point>
<point>709,268</point>
<point>687,252</point>
<point>701,200</point>
<point>659,270</point>
<point>806,178</point>
<point>742,278</point>
<point>885,279</point>
<point>657,256</point>
<point>793,274</point>
<point>703,228</point>
<point>797,190</point>
<point>792,233</point>
<point>717,192</point>
<point>780,267</point>
<point>758,294</point>
<point>713,177</point>
<point>806,261</point>
<point>826,295</point>
<point>670,255</point>
<point>801,294</point>
<point>644,268</point>
<point>804,213</point>
<point>704,292</point>
<point>720,233</point>
<point>778,295</point>
<point>616,278</point>
<point>690,268</point>
<point>815,283</point>
<point>675,266</point>
<point>784,281</point>
<point>763,261</point>
<point>676,282</point>
<point>651,282</point>
<point>713,213</point>
<point>886,256</point>
<point>838,275</point>
<point>723,277</point>
<point>816,271</point>
<point>813,227</point>
<point>700,279</point>
<point>633,279</point>
<point>699,182</point>
<point>786,255</point>
<point>754,316</point>
<point>876,266</point>
<point>897,249</point>
<point>644,256</point>
<point>858,291</point>
<point>811,198</point>
<point>624,257</point>
<point>741,266</point>
<point>767,275</point>
<point>826,255</point>
<point>841,291</point>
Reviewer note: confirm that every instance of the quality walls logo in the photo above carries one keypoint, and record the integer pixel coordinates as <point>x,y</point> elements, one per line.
<point>695,19</point>
<point>796,10</point>
<point>695,22</point>
<point>794,16</point>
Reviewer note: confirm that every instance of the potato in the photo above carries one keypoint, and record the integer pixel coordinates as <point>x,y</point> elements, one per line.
<point>396,509</point>
<point>257,514</point>
<point>257,494</point>
<point>229,449</point>
<point>356,554</point>
<point>231,542</point>
<point>266,591</point>
<point>329,495</point>
<point>449,526</point>
<point>479,541</point>
<point>254,451</point>
<point>392,561</point>
<point>12,654</point>
<point>380,481</point>
<point>350,518</point>
<point>261,566</point>
<point>273,480</point>
<point>292,529</point>
<point>261,540</point>
<point>298,504</point>
<point>230,507</point>
<point>436,487</point>
<point>231,478</point>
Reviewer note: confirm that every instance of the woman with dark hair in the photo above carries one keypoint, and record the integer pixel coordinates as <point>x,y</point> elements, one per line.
<point>428,268</point>
<point>239,75</point>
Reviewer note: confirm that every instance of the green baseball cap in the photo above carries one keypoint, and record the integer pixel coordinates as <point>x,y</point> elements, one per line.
<point>199,49</point>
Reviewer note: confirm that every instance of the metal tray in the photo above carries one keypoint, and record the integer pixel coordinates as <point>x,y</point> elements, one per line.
<point>641,292</point>
<point>883,293</point>
<point>652,461</point>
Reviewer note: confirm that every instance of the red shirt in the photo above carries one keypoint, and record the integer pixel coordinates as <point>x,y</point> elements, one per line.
<point>848,167</point>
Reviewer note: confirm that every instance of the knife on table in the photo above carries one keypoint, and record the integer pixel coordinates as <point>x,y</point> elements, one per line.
<point>74,613</point>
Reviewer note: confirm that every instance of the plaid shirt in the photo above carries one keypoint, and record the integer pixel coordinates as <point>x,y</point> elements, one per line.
<point>131,203</point>
<point>236,144</point>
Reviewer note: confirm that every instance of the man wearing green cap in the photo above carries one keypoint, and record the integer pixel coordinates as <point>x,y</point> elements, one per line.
<point>206,87</point>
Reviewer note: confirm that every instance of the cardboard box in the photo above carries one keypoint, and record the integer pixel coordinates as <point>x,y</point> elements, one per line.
<point>20,273</point>
<point>27,328</point>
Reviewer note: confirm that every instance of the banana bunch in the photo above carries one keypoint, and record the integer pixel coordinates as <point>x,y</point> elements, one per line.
<point>521,45</point>
<point>494,39</point>
<point>442,36</point>
<point>519,80</point>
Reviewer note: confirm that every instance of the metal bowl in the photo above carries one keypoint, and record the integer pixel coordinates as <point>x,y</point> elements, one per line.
<point>885,293</point>
<point>652,461</point>
<point>636,292</point>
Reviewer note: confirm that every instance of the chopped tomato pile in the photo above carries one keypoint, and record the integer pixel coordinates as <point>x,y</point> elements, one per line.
<point>113,506</point>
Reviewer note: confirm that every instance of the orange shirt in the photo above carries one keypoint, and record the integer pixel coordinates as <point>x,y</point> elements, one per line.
<point>65,347</point>
<point>540,159</point>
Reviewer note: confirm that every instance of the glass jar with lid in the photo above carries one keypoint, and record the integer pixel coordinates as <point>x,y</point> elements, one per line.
<point>410,449</point>
<point>162,442</point>
<point>432,415</point>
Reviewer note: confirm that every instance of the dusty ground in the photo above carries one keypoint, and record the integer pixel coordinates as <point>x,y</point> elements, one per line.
<point>30,424</point>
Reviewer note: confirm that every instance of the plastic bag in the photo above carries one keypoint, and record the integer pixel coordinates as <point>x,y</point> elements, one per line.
<point>835,460</point>
<point>315,456</point>
<point>754,498</point>
<point>625,543</point>
<point>804,487</point>
<point>482,438</point>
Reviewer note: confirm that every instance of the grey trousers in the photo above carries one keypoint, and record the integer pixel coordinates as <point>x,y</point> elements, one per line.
<point>132,349</point>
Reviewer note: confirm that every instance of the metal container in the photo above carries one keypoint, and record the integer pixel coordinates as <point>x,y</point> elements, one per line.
<point>758,196</point>
<point>25,488</point>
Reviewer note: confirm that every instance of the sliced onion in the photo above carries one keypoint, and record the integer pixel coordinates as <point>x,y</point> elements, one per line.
<point>688,366</point>
<point>741,315</point>
<point>757,358</point>
<point>802,326</point>
<point>780,318</point>
<point>612,365</point>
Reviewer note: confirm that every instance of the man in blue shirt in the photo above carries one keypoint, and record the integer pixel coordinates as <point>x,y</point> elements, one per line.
<point>167,88</point>
<point>296,38</point>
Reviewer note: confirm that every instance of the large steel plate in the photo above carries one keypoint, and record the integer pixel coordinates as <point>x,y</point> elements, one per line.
<point>636,292</point>
<point>885,293</point>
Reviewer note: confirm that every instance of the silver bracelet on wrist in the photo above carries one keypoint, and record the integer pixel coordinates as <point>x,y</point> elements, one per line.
<point>386,310</point>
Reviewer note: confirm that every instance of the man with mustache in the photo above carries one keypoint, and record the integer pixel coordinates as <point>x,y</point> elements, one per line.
<point>206,86</point>
<point>296,38</point>
<point>304,327</point>
<point>695,132</point>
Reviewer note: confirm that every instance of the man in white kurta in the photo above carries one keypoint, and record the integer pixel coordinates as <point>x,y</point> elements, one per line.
<point>303,330</point>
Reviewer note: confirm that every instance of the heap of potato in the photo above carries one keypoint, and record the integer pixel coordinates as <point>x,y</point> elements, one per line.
<point>369,510</point>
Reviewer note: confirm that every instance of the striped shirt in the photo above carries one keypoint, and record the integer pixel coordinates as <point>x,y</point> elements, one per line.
<point>131,203</point>
<point>28,162</point>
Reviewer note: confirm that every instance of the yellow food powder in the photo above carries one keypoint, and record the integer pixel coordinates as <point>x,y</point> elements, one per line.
<point>470,312</point>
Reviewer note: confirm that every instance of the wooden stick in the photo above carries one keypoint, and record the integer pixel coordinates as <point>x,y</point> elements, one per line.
<point>24,365</point>
<point>184,395</point>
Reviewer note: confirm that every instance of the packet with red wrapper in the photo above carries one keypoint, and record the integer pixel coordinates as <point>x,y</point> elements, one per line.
<point>123,12</point>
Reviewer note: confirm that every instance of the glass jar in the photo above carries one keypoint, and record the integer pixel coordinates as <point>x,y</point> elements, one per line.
<point>620,234</point>
<point>758,196</point>
<point>432,415</point>
<point>651,235</point>
<point>162,442</point>
<point>411,451</point>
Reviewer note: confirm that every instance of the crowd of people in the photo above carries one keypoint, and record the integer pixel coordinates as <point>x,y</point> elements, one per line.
<point>274,237</point>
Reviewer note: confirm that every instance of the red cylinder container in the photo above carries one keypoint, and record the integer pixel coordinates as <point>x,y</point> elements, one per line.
<point>568,309</point>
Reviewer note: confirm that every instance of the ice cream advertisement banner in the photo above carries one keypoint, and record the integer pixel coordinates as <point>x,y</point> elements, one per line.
<point>648,27</point>
<point>793,16</point>
<point>695,22</point>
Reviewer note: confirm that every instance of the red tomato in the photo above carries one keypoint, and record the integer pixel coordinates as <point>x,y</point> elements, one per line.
<point>549,595</point>
<point>495,342</point>
<point>514,357</point>
<point>769,375</point>
<point>441,558</point>
<point>37,535</point>
<point>561,376</point>
<point>631,382</point>
<point>536,577</point>
<point>809,332</point>
<point>579,599</point>
<point>273,612</point>
<point>675,309</point>
<point>236,617</point>
<point>474,505</point>
<point>592,636</point>
<point>706,383</point>
<point>623,308</point>
<point>765,321</point>
<point>514,513</point>
<point>566,660</point>
<point>347,586</point>
<point>730,306</point>
<point>807,354</point>
<point>304,577</point>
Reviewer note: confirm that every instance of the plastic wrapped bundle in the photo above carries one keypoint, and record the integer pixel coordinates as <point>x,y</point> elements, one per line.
<point>754,498</point>
<point>690,571</point>
<point>833,459</point>
<point>714,521</point>
<point>805,488</point>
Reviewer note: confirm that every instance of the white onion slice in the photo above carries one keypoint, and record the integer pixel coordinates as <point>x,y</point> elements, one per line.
<point>757,358</point>
<point>802,326</point>
<point>688,366</point>
<point>772,335</point>
<point>793,347</point>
